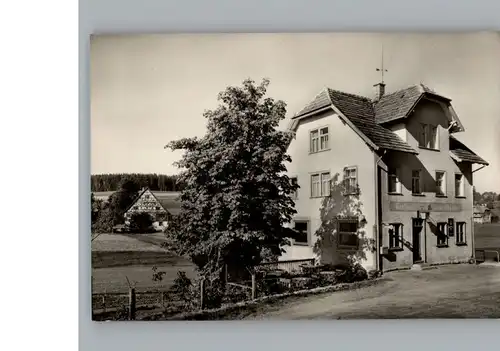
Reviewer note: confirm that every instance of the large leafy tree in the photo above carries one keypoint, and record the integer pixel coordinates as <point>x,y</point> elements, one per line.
<point>236,198</point>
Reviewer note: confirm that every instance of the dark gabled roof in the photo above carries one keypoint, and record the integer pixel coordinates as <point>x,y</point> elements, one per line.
<point>358,110</point>
<point>136,199</point>
<point>462,153</point>
<point>382,137</point>
<point>399,104</point>
<point>321,100</point>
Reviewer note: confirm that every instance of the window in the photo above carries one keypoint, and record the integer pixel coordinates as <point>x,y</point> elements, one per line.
<point>314,142</point>
<point>325,184</point>
<point>459,185</point>
<point>347,233</point>
<point>351,180</point>
<point>429,137</point>
<point>396,236</point>
<point>433,137</point>
<point>157,208</point>
<point>460,235</point>
<point>440,183</point>
<point>442,237</point>
<point>319,140</point>
<point>320,184</point>
<point>302,228</point>
<point>323,138</point>
<point>294,194</point>
<point>315,186</point>
<point>394,182</point>
<point>146,196</point>
<point>415,182</point>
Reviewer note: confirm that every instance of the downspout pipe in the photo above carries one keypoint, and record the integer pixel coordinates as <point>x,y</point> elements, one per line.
<point>473,236</point>
<point>377,212</point>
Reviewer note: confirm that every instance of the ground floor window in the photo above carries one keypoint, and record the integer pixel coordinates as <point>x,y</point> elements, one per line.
<point>442,236</point>
<point>302,228</point>
<point>460,234</point>
<point>347,230</point>
<point>396,236</point>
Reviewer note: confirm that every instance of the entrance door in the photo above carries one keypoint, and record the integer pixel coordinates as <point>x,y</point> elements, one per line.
<point>417,230</point>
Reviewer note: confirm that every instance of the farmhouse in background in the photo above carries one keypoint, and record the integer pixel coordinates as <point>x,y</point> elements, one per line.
<point>147,202</point>
<point>482,214</point>
<point>404,197</point>
<point>161,205</point>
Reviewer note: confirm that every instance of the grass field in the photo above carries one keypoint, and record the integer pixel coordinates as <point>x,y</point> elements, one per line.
<point>487,236</point>
<point>116,257</point>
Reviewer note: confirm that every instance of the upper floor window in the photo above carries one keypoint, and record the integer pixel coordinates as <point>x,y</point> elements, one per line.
<point>294,194</point>
<point>416,186</point>
<point>320,184</point>
<point>459,185</point>
<point>147,196</point>
<point>440,183</point>
<point>351,180</point>
<point>318,140</point>
<point>429,137</point>
<point>394,182</point>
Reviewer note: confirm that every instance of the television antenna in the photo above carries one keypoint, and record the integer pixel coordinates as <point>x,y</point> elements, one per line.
<point>382,69</point>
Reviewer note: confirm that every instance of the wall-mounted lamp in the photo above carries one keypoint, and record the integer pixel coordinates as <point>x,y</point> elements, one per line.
<point>425,213</point>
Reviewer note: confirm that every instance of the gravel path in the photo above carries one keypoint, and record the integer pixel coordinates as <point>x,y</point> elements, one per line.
<point>456,291</point>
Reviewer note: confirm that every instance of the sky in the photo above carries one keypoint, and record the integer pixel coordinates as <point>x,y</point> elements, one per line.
<point>147,90</point>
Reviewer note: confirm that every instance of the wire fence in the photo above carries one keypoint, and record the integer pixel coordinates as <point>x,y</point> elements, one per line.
<point>266,279</point>
<point>108,301</point>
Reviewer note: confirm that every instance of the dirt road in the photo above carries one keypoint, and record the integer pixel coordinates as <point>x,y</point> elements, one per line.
<point>456,291</point>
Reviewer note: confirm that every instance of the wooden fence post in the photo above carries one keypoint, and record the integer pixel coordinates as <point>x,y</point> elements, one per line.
<point>202,294</point>
<point>253,286</point>
<point>225,275</point>
<point>162,299</point>
<point>104,300</point>
<point>131,304</point>
<point>473,238</point>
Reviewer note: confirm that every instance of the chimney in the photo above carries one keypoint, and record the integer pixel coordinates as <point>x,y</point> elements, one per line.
<point>379,91</point>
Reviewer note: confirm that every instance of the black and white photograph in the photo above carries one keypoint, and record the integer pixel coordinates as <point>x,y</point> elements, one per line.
<point>295,176</point>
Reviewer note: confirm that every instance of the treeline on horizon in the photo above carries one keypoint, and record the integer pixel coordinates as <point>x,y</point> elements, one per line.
<point>488,198</point>
<point>155,182</point>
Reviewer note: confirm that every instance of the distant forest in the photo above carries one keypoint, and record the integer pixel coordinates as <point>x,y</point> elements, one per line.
<point>156,182</point>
